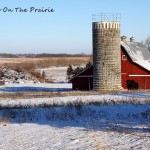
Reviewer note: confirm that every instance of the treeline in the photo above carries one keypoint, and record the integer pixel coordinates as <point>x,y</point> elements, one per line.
<point>3,55</point>
<point>56,55</point>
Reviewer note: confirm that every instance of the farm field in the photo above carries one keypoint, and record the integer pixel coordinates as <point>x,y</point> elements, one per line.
<point>94,128</point>
<point>47,61</point>
<point>102,121</point>
<point>52,116</point>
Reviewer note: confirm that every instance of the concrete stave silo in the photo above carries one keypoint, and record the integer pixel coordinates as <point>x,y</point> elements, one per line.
<point>106,55</point>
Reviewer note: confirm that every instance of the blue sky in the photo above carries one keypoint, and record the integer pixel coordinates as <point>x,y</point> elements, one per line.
<point>69,28</point>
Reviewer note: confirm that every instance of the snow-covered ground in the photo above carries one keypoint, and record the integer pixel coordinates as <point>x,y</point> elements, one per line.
<point>53,74</point>
<point>104,99</point>
<point>36,87</point>
<point>73,123</point>
<point>124,126</point>
<point>108,121</point>
<point>56,74</point>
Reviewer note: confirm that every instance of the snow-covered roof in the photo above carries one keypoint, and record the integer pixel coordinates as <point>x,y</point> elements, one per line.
<point>77,75</point>
<point>138,53</point>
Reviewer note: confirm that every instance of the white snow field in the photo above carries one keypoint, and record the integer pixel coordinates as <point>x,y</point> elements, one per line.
<point>123,126</point>
<point>56,74</point>
<point>94,122</point>
<point>37,87</point>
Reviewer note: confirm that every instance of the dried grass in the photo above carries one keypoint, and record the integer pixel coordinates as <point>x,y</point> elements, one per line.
<point>29,63</point>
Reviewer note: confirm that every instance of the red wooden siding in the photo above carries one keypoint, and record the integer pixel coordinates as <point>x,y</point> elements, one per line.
<point>84,81</point>
<point>132,71</point>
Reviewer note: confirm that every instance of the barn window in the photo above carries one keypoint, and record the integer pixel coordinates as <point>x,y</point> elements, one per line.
<point>124,57</point>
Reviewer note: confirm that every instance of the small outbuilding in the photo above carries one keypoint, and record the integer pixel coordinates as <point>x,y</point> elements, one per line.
<point>135,65</point>
<point>83,80</point>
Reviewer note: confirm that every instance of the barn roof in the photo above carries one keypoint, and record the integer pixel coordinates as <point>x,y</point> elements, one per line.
<point>80,73</point>
<point>138,53</point>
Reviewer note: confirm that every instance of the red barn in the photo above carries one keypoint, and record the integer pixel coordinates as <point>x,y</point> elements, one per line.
<point>84,80</point>
<point>135,65</point>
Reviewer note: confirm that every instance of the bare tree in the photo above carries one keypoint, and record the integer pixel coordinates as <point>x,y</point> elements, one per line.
<point>146,42</point>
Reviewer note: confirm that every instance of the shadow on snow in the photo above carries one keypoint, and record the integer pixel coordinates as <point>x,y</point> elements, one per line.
<point>32,89</point>
<point>120,118</point>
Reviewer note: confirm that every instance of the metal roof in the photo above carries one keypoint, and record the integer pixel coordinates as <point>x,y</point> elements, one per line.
<point>138,53</point>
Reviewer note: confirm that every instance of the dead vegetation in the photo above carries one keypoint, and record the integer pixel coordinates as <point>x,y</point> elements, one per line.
<point>29,63</point>
<point>16,73</point>
<point>78,103</point>
<point>31,66</point>
<point>26,95</point>
<point>49,94</point>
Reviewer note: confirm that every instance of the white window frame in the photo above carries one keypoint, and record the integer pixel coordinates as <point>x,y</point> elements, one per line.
<point>124,57</point>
